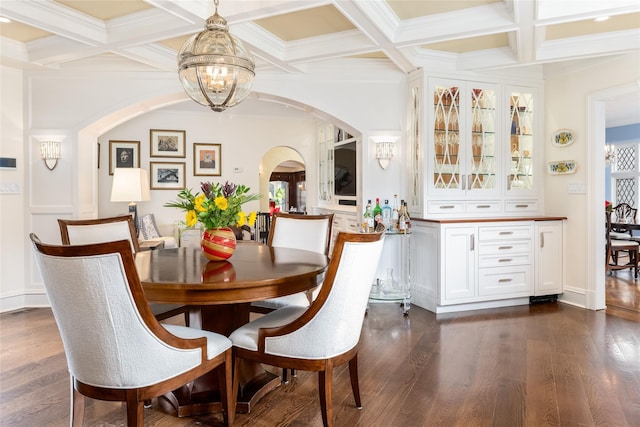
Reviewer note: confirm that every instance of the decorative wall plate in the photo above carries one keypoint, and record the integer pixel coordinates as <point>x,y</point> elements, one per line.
<point>562,138</point>
<point>561,167</point>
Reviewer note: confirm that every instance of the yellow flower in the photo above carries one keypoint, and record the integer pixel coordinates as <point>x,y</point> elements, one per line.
<point>242,218</point>
<point>252,218</point>
<point>221,203</point>
<point>191,218</point>
<point>198,201</point>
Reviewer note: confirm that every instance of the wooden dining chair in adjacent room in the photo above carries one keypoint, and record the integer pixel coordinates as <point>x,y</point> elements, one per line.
<point>623,213</point>
<point>101,230</point>
<point>116,349</point>
<point>325,334</point>
<point>617,247</point>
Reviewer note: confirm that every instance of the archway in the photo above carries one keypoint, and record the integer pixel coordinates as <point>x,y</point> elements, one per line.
<point>277,159</point>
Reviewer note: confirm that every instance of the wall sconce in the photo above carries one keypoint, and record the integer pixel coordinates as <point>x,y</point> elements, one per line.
<point>384,153</point>
<point>609,154</point>
<point>50,153</point>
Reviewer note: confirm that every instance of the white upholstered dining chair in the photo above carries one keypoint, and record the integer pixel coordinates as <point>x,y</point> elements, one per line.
<point>305,232</point>
<point>325,334</point>
<point>116,350</point>
<point>101,230</point>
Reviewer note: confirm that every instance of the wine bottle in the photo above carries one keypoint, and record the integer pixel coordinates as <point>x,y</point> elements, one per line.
<point>402,221</point>
<point>377,214</point>
<point>367,222</point>
<point>386,215</point>
<point>395,215</point>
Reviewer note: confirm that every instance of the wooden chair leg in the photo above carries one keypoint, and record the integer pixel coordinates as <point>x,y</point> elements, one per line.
<point>135,409</point>
<point>355,386</point>
<point>77,407</point>
<point>227,386</point>
<point>325,385</point>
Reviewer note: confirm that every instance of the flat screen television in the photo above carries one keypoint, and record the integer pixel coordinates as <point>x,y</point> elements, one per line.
<point>344,169</point>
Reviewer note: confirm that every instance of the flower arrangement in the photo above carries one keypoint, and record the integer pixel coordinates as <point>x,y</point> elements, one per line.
<point>217,206</point>
<point>608,207</point>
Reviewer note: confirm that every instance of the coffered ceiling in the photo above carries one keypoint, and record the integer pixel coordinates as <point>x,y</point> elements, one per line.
<point>293,36</point>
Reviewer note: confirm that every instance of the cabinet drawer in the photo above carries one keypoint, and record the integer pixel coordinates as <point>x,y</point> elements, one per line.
<point>504,260</point>
<point>447,207</point>
<point>504,233</point>
<point>505,281</point>
<point>505,248</point>
<point>480,207</point>
<point>521,206</point>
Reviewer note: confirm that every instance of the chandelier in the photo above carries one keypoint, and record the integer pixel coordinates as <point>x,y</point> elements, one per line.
<point>215,68</point>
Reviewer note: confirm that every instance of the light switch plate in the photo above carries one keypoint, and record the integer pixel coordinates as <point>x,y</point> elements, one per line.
<point>577,188</point>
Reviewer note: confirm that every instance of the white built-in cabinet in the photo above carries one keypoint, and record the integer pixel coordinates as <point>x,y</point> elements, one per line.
<point>461,265</point>
<point>474,147</point>
<point>549,238</point>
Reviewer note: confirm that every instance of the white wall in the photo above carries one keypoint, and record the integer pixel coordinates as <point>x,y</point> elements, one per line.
<point>244,141</point>
<point>13,224</point>
<point>566,107</point>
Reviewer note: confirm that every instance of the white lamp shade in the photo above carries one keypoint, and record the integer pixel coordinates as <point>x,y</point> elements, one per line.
<point>130,185</point>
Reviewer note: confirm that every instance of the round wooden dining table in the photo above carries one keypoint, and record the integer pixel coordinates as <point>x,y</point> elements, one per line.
<point>219,295</point>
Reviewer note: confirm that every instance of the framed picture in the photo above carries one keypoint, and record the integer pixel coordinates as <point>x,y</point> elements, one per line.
<point>167,143</point>
<point>206,159</point>
<point>123,154</point>
<point>167,175</point>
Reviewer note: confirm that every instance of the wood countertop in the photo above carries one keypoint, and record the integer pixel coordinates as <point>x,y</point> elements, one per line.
<point>494,219</point>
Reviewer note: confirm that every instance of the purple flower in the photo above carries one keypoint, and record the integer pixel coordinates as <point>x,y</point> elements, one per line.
<point>228,189</point>
<point>206,189</point>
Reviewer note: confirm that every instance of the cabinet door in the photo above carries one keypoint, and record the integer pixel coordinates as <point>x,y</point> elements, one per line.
<point>464,154</point>
<point>549,263</point>
<point>522,136</point>
<point>415,197</point>
<point>482,170</point>
<point>325,162</point>
<point>458,268</point>
<point>445,158</point>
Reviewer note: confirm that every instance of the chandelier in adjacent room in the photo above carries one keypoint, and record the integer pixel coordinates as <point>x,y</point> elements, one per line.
<point>215,68</point>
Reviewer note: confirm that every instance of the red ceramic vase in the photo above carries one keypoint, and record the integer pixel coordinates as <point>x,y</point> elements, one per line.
<point>218,244</point>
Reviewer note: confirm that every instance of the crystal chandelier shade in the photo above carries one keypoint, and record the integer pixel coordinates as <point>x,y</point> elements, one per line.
<point>215,68</point>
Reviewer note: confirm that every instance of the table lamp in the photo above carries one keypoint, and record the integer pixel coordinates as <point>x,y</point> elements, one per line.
<point>130,185</point>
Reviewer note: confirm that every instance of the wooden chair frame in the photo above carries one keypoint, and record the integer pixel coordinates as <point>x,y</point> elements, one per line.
<point>162,311</point>
<point>135,397</point>
<point>324,367</point>
<point>615,246</point>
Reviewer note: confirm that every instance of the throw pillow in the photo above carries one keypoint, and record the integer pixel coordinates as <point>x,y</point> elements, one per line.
<point>148,228</point>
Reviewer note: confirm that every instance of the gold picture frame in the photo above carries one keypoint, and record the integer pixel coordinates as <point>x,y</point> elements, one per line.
<point>167,175</point>
<point>167,143</point>
<point>123,154</point>
<point>207,159</point>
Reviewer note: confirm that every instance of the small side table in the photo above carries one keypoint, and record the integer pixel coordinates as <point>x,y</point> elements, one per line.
<point>151,245</point>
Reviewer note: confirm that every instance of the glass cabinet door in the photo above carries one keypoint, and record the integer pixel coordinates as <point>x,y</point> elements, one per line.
<point>482,174</point>
<point>521,148</point>
<point>464,137</point>
<point>446,138</point>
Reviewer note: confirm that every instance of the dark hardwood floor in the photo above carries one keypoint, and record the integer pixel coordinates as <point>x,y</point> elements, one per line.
<point>546,364</point>
<point>623,295</point>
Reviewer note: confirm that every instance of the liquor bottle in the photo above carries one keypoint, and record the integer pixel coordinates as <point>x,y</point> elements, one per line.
<point>367,222</point>
<point>377,214</point>
<point>395,215</point>
<point>407,219</point>
<point>386,215</point>
<point>402,221</point>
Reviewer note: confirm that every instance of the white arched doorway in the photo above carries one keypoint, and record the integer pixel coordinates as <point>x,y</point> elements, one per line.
<point>272,159</point>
